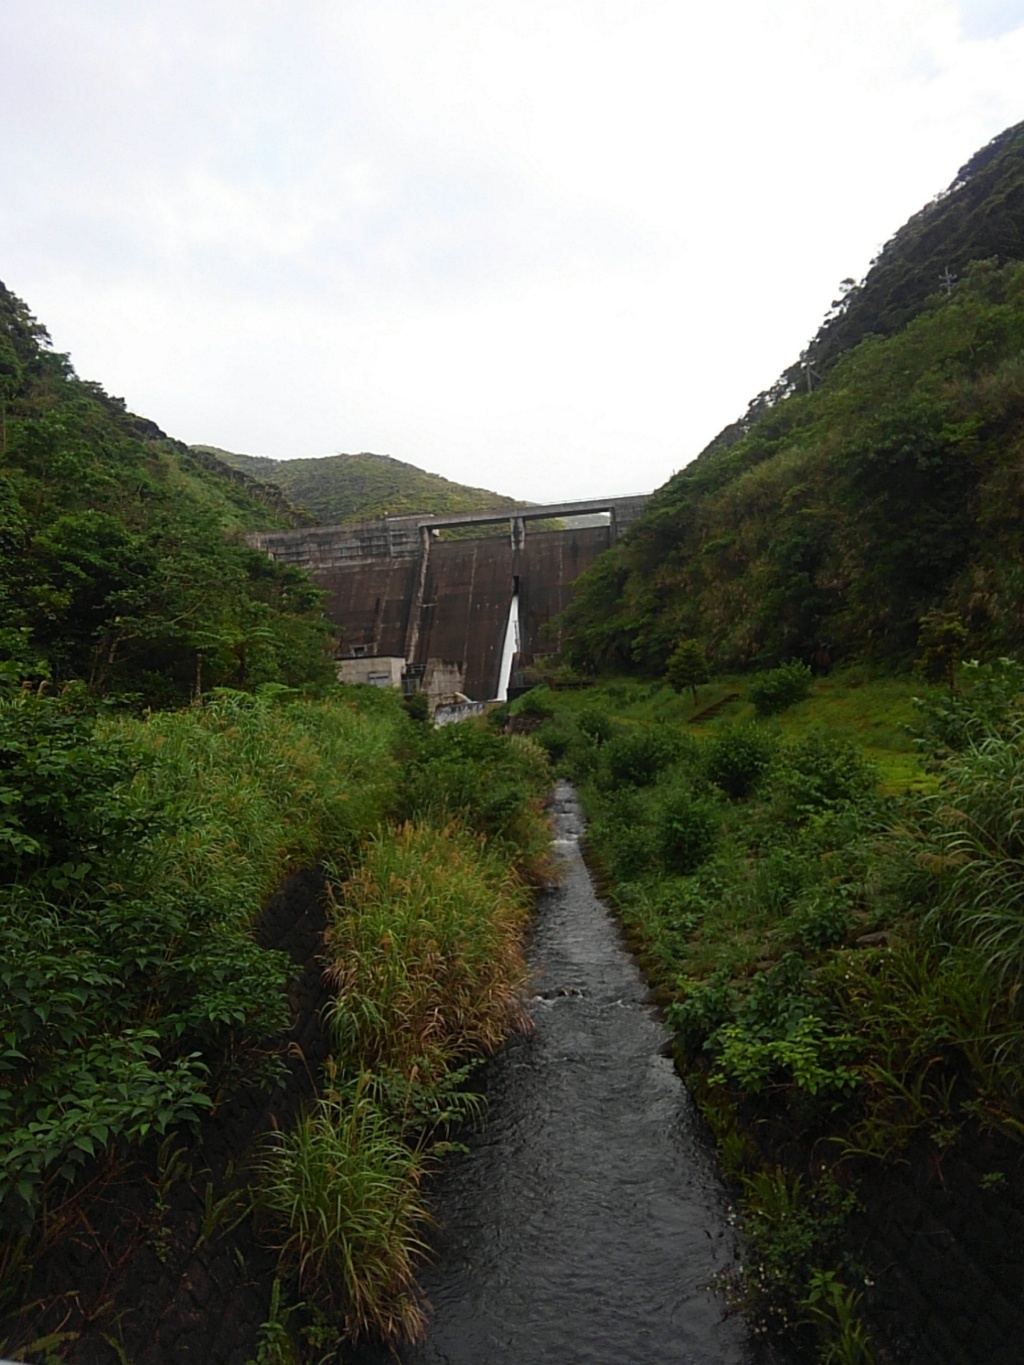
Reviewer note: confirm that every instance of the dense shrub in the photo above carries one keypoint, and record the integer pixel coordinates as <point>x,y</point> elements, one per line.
<point>687,830</point>
<point>735,758</point>
<point>596,724</point>
<point>637,758</point>
<point>700,1008</point>
<point>780,688</point>
<point>820,772</point>
<point>537,703</point>
<point>555,738</point>
<point>626,851</point>
<point>490,783</point>
<point>58,817</point>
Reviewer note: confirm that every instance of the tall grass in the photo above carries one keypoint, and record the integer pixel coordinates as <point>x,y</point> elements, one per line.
<point>345,1186</point>
<point>425,951</point>
<point>980,819</point>
<point>249,788</point>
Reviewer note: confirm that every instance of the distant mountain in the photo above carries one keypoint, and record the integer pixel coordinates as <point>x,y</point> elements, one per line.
<point>339,488</point>
<point>879,480</point>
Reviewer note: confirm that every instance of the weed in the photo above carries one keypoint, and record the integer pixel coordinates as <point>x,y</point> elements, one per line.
<point>222,1215</point>
<point>345,1189</point>
<point>833,1309</point>
<point>789,1223</point>
<point>276,1346</point>
<point>171,1166</point>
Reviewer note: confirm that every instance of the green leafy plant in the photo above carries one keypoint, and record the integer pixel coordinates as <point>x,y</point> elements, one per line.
<point>808,1056</point>
<point>596,724</point>
<point>834,1310</point>
<point>736,758</point>
<point>275,1346</point>
<point>688,827</point>
<point>635,759</point>
<point>819,773</point>
<point>780,688</point>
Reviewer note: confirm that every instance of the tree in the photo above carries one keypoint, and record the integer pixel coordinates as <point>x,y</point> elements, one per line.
<point>687,667</point>
<point>940,640</point>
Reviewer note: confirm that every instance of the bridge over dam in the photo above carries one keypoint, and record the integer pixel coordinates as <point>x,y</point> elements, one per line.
<point>410,602</point>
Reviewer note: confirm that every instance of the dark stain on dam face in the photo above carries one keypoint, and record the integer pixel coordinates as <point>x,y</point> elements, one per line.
<point>586,1224</point>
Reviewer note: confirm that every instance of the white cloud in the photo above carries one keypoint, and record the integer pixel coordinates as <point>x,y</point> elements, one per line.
<point>549,247</point>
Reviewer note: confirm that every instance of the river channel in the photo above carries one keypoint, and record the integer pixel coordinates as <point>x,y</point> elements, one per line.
<point>586,1223</point>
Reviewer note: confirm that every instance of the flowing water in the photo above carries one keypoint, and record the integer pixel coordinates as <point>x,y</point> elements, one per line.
<point>586,1223</point>
<point>509,649</point>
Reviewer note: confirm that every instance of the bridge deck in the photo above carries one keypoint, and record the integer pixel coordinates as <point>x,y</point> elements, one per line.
<point>554,511</point>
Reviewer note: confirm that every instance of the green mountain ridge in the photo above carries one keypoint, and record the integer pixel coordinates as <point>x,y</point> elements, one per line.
<point>339,488</point>
<point>828,523</point>
<point>980,216</point>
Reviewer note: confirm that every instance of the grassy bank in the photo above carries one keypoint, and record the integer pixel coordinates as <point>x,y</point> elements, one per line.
<point>829,908</point>
<point>136,854</point>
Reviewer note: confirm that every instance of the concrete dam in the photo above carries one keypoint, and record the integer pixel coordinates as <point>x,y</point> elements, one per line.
<point>413,606</point>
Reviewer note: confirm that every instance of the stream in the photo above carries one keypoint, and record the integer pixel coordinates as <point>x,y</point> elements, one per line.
<point>586,1223</point>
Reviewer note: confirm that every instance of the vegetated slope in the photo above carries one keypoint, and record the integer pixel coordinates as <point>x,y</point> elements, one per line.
<point>835,519</point>
<point>980,217</point>
<point>122,554</point>
<point>338,488</point>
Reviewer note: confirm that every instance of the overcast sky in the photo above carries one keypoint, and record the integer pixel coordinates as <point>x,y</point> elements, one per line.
<point>549,247</point>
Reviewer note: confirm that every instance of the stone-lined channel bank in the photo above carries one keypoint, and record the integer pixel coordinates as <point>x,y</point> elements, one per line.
<point>586,1223</point>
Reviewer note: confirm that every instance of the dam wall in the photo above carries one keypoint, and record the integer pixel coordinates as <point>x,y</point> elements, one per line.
<point>396,588</point>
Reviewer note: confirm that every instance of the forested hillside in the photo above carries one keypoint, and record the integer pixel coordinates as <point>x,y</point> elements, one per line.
<point>829,522</point>
<point>123,557</point>
<point>338,488</point>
